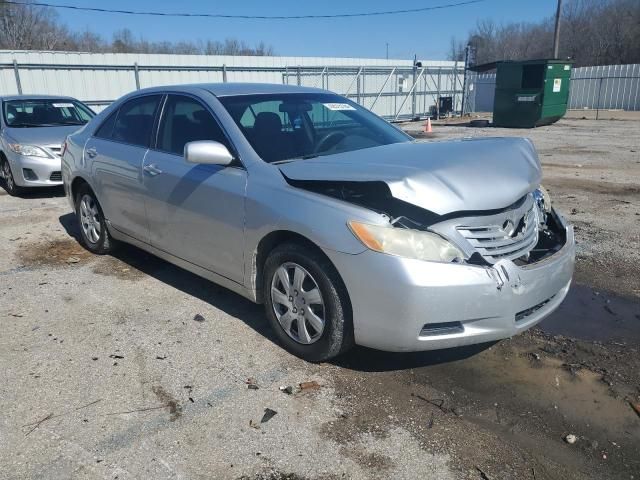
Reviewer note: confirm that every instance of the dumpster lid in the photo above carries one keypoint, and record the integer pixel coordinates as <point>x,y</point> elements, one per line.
<point>485,67</point>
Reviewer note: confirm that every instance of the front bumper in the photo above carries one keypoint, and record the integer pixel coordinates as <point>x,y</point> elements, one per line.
<point>45,171</point>
<point>396,301</point>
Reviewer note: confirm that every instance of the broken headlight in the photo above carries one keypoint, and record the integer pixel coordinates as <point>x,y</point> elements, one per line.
<point>407,243</point>
<point>542,198</point>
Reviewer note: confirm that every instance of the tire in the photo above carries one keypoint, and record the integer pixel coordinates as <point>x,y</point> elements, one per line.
<point>94,233</point>
<point>295,321</point>
<point>9,182</point>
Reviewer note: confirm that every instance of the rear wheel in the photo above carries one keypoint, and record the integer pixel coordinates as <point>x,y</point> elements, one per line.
<point>306,303</point>
<point>9,182</point>
<point>93,228</point>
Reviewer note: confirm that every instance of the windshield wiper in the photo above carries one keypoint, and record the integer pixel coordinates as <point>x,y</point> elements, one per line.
<point>303,157</point>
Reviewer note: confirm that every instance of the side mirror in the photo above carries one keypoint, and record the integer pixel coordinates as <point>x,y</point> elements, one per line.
<point>207,152</point>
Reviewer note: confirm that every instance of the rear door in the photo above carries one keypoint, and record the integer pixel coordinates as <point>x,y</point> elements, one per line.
<point>195,212</point>
<point>117,150</point>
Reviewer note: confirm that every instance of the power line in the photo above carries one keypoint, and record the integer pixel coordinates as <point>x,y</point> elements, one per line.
<point>244,17</point>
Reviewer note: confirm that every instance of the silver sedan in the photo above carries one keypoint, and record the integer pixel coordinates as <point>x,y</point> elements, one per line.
<point>32,129</point>
<point>344,227</point>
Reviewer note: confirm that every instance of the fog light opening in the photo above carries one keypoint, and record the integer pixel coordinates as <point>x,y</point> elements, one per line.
<point>29,174</point>
<point>436,329</point>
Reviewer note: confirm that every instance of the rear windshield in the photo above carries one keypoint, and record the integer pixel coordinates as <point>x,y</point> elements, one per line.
<point>45,113</point>
<point>282,127</point>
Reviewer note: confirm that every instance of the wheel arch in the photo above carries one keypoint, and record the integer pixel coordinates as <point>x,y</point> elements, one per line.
<point>75,186</point>
<point>268,243</point>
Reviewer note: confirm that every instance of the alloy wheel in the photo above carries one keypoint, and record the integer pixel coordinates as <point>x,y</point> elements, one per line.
<point>90,219</point>
<point>297,303</point>
<point>8,176</point>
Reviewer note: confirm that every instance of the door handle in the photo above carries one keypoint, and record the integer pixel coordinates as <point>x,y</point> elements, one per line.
<point>152,170</point>
<point>91,152</point>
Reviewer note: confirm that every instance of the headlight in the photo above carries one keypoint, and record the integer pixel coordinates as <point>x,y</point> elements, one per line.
<point>406,243</point>
<point>542,197</point>
<point>28,150</point>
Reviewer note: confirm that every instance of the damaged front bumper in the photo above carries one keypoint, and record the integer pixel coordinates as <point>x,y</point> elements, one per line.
<point>402,304</point>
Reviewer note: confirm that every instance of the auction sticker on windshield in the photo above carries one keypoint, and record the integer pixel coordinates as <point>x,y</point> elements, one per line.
<point>63,105</point>
<point>338,106</point>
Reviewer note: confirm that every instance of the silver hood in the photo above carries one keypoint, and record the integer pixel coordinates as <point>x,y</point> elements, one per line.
<point>442,177</point>
<point>42,136</point>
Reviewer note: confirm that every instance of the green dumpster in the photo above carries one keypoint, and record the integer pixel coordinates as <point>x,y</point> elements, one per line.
<point>531,93</point>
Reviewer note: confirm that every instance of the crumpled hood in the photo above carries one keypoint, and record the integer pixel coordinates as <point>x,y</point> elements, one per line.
<point>42,136</point>
<point>442,177</point>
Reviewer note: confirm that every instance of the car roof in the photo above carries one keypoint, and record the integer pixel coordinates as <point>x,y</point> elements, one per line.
<point>231,89</point>
<point>36,97</point>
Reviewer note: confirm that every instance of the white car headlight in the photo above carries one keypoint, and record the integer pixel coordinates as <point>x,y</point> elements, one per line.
<point>28,150</point>
<point>406,243</point>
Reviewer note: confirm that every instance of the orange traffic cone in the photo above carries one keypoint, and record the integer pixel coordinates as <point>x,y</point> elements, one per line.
<point>427,125</point>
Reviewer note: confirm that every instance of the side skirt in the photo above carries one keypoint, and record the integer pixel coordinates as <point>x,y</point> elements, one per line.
<point>179,262</point>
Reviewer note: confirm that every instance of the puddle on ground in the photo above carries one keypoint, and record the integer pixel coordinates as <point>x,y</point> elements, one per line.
<point>53,253</point>
<point>595,316</point>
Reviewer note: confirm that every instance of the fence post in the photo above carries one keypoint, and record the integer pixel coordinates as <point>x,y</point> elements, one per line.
<point>438,94</point>
<point>137,75</point>
<point>17,74</point>
<point>224,73</point>
<point>413,93</point>
<point>599,93</point>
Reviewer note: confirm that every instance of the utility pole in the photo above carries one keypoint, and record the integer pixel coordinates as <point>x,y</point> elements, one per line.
<point>387,50</point>
<point>556,33</point>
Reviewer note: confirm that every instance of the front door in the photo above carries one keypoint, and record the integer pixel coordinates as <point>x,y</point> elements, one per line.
<point>194,212</point>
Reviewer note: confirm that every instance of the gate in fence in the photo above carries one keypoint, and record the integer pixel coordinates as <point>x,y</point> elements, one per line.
<point>394,93</point>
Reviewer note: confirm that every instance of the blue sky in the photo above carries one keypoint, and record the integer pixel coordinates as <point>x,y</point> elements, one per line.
<point>426,34</point>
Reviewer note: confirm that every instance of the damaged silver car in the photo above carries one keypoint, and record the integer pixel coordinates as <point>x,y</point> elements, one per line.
<point>344,227</point>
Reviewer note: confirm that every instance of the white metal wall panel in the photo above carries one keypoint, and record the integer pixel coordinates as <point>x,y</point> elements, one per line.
<point>107,76</point>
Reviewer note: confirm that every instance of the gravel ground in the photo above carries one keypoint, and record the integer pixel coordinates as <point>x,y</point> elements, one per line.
<point>106,373</point>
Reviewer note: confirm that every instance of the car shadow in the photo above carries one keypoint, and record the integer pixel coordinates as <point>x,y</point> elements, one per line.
<point>185,281</point>
<point>358,359</point>
<point>363,359</point>
<point>36,193</point>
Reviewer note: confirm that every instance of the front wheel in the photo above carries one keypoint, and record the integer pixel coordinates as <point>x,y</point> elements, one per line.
<point>9,182</point>
<point>306,303</point>
<point>93,228</point>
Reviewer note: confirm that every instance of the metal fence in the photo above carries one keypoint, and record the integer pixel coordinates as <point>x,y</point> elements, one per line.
<point>393,92</point>
<point>608,87</point>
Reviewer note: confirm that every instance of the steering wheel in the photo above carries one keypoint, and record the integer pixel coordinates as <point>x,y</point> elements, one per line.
<point>324,143</point>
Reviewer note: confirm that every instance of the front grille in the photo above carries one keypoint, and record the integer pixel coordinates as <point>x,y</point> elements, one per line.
<point>530,311</point>
<point>511,239</point>
<point>56,177</point>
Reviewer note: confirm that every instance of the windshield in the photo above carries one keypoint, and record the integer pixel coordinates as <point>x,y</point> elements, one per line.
<point>45,113</point>
<point>288,126</point>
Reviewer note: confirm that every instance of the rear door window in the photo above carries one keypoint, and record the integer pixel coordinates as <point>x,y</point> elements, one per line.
<point>135,119</point>
<point>186,120</point>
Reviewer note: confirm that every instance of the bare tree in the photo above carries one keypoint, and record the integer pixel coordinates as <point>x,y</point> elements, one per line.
<point>31,27</point>
<point>594,32</point>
